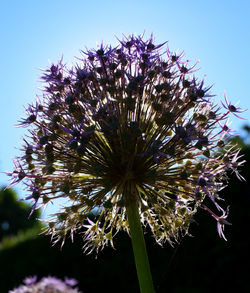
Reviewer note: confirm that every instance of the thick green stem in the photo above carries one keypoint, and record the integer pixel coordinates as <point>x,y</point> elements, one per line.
<point>139,248</point>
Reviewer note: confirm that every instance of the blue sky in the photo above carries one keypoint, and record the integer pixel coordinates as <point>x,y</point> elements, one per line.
<point>34,32</point>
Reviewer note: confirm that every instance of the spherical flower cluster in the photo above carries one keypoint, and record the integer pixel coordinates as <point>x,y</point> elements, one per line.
<point>46,285</point>
<point>126,124</point>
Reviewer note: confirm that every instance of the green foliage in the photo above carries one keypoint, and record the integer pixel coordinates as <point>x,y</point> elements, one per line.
<point>14,214</point>
<point>242,141</point>
<point>238,141</point>
<point>22,236</point>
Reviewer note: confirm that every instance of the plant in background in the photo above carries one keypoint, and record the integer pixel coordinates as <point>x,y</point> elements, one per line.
<point>47,285</point>
<point>11,226</point>
<point>131,132</point>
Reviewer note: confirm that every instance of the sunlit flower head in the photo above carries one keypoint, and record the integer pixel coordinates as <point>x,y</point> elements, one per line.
<point>127,123</point>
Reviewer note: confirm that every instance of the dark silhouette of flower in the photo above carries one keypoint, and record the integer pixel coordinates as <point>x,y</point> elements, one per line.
<point>126,125</point>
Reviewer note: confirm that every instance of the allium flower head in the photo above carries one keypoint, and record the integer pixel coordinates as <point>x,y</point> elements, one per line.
<point>47,285</point>
<point>126,124</point>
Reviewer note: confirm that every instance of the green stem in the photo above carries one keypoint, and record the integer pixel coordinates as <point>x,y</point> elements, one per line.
<point>139,248</point>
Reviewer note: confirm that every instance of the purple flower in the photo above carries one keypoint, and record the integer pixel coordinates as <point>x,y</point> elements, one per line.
<point>32,112</point>
<point>232,162</point>
<point>128,122</point>
<point>155,151</point>
<point>70,282</point>
<point>77,134</point>
<point>232,108</point>
<point>207,183</point>
<point>35,196</point>
<point>17,175</point>
<point>221,221</point>
<point>30,280</point>
<point>225,129</point>
<point>103,53</point>
<point>54,74</point>
<point>47,284</point>
<point>187,133</point>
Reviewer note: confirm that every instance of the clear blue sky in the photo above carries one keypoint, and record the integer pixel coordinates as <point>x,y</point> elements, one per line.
<point>33,32</point>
